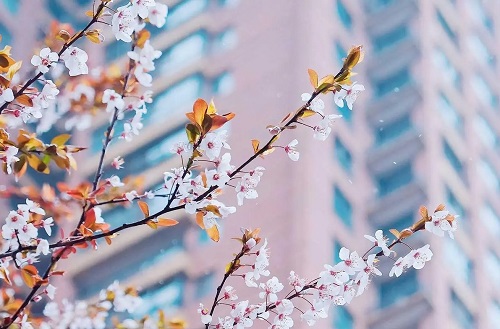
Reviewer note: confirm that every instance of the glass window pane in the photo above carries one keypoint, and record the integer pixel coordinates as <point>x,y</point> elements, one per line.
<point>342,207</point>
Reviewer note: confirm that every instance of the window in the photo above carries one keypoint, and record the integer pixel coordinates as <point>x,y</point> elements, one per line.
<point>394,179</point>
<point>153,153</point>
<point>460,312</point>
<point>336,250</point>
<point>453,159</point>
<point>485,131</point>
<point>344,15</point>
<point>400,223</point>
<point>446,27</point>
<point>157,249</point>
<point>58,11</point>
<point>455,207</point>
<point>204,285</point>
<point>228,3</point>
<point>165,296</point>
<point>392,130</point>
<point>345,112</point>
<point>480,51</point>
<point>390,39</point>
<point>444,64</point>
<point>460,264</point>
<point>377,5</point>
<point>492,264</point>
<point>12,5</point>
<point>476,10</point>
<point>494,314</point>
<point>223,84</point>
<point>184,11</point>
<point>450,113</point>
<point>340,53</point>
<point>227,39</point>
<point>176,99</point>
<point>392,83</point>
<point>343,155</point>
<point>342,319</point>
<point>488,174</point>
<point>6,35</point>
<point>490,219</point>
<point>342,207</point>
<point>397,289</point>
<point>483,91</point>
<point>116,49</point>
<point>185,52</point>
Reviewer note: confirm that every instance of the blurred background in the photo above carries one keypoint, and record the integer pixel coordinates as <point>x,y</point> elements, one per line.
<point>425,131</point>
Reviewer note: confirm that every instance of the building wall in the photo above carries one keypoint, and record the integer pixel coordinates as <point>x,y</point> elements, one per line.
<point>424,132</point>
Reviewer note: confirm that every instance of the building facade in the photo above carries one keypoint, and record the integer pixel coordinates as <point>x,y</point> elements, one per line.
<point>425,132</point>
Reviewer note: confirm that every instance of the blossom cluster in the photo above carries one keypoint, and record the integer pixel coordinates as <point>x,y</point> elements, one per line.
<point>336,285</point>
<point>93,315</point>
<point>21,229</point>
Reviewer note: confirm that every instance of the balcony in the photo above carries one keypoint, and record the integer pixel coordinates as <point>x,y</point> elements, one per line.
<point>405,314</point>
<point>394,58</point>
<point>399,150</point>
<point>395,14</point>
<point>393,104</point>
<point>382,211</point>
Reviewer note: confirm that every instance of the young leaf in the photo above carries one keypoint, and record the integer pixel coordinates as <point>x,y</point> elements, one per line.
<point>313,78</point>
<point>152,224</point>
<point>166,222</point>
<point>255,145</point>
<point>144,208</point>
<point>213,233</point>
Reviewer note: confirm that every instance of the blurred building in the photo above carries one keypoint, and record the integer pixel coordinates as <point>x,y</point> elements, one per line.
<point>424,132</point>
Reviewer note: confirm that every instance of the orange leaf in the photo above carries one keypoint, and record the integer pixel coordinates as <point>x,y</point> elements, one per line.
<point>5,276</point>
<point>255,145</point>
<point>395,233</point>
<point>199,109</point>
<point>199,219</point>
<point>60,140</point>
<point>152,224</point>
<point>313,78</point>
<point>25,100</point>
<point>144,208</point>
<point>166,222</point>
<point>29,274</point>
<point>213,233</point>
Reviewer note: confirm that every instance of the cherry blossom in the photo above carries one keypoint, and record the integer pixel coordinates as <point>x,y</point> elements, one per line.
<point>206,318</point>
<point>380,241</point>
<point>124,23</point>
<point>417,258</point>
<point>349,93</point>
<point>8,156</point>
<point>271,287</point>
<point>47,96</point>
<point>114,181</point>
<point>291,151</point>
<point>47,225</point>
<point>351,262</point>
<point>112,100</point>
<point>117,162</point>
<point>296,282</point>
<point>157,14</point>
<point>440,223</point>
<point>284,308</point>
<point>317,105</point>
<point>213,142</point>
<point>75,60</point>
<point>6,95</point>
<point>399,266</point>
<point>141,7</point>
<point>44,60</point>
<point>145,56</point>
